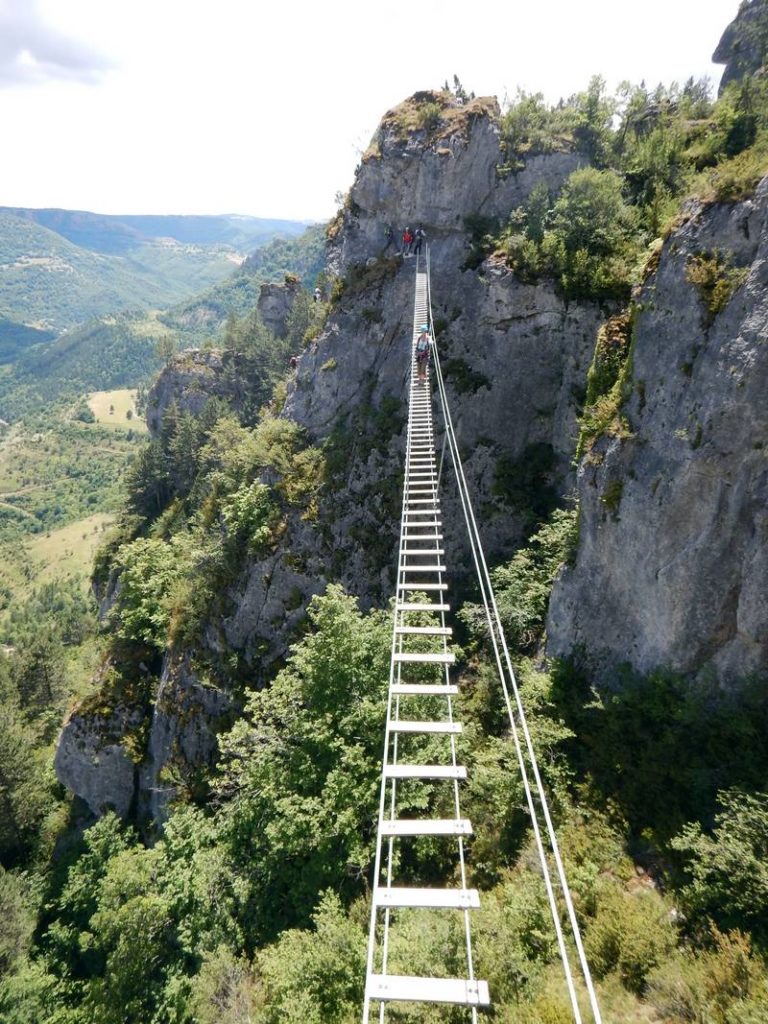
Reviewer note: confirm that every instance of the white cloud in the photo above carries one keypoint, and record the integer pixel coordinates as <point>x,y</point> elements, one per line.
<point>32,52</point>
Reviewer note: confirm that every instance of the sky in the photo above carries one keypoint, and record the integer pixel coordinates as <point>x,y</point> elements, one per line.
<point>263,108</point>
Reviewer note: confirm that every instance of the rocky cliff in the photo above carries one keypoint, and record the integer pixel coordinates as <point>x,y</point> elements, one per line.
<point>673,556</point>
<point>673,533</point>
<point>515,356</point>
<point>744,44</point>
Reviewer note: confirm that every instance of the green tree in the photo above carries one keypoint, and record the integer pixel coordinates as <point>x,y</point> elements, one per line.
<point>312,977</point>
<point>148,570</point>
<point>301,768</point>
<point>594,120</point>
<point>39,674</point>
<point>24,790</point>
<point>727,871</point>
<point>167,348</point>
<point>17,920</point>
<point>300,319</point>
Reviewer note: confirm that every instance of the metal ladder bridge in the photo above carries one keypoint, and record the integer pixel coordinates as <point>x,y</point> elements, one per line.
<point>419,678</point>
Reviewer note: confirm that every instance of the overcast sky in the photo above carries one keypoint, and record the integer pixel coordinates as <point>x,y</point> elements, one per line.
<point>242,106</point>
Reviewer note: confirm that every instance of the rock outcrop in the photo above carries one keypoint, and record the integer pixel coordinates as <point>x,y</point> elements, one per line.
<point>96,760</point>
<point>515,355</point>
<point>275,304</point>
<point>744,43</point>
<point>673,555</point>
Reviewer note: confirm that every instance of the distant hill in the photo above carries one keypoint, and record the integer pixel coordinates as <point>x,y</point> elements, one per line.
<point>205,313</point>
<point>113,234</point>
<point>51,282</point>
<point>118,350</point>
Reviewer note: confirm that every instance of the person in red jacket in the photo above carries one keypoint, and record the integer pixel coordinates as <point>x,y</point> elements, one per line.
<point>407,242</point>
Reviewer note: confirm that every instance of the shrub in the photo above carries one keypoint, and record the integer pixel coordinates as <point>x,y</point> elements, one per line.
<point>148,570</point>
<point>631,934</point>
<point>529,125</point>
<point>715,278</point>
<point>603,415</point>
<point>611,350</point>
<point>429,116</point>
<point>249,516</point>
<point>523,585</point>
<point>727,871</point>
<point>726,984</point>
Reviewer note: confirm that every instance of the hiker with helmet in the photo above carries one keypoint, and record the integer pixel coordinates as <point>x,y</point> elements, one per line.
<point>422,351</point>
<point>407,242</point>
<point>419,239</point>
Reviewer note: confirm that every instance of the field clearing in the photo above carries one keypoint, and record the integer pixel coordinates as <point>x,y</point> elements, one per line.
<point>61,474</point>
<point>69,550</point>
<point>120,401</point>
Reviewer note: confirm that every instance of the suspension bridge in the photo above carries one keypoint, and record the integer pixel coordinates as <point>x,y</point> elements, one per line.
<point>420,703</point>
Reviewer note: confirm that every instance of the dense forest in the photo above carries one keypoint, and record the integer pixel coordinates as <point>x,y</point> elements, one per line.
<point>251,903</point>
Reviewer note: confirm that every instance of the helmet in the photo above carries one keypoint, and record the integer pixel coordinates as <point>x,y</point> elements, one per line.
<point>425,327</point>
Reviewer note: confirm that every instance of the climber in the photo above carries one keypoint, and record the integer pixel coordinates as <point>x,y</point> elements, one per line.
<point>293,362</point>
<point>422,351</point>
<point>318,295</point>
<point>418,240</point>
<point>407,242</point>
<point>389,239</point>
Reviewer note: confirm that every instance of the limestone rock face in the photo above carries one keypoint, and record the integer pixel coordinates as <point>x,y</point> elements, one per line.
<point>742,46</point>
<point>436,181</point>
<point>188,382</point>
<point>182,735</point>
<point>515,358</point>
<point>193,378</point>
<point>673,554</point>
<point>92,759</point>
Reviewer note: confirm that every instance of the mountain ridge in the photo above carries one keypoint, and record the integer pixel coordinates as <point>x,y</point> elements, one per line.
<point>115,233</point>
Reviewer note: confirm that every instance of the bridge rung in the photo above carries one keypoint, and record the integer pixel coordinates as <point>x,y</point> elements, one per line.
<point>426,827</point>
<point>424,690</point>
<point>425,771</point>
<point>425,630</point>
<point>436,728</point>
<point>422,586</point>
<point>425,657</point>
<point>401,896</point>
<point>422,606</point>
<point>422,568</point>
<point>424,551</point>
<point>402,988</point>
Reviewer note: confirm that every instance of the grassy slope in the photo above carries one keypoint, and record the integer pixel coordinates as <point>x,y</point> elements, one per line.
<point>120,401</point>
<point>47,282</point>
<point>67,551</point>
